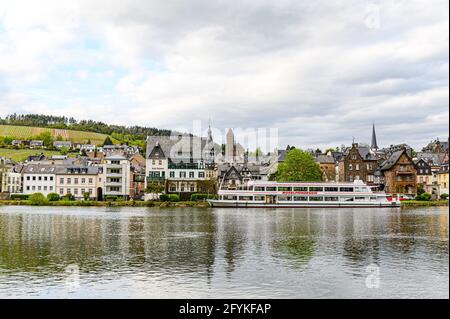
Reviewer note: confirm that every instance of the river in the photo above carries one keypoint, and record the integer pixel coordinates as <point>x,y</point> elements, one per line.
<point>100,252</point>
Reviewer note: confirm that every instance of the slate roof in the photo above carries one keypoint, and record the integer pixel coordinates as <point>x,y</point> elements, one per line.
<point>431,158</point>
<point>364,152</point>
<point>82,170</point>
<point>325,159</point>
<point>179,148</point>
<point>39,169</point>
<point>392,160</point>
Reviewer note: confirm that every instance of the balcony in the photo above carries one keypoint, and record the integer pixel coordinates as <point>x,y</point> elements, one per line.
<point>156,178</point>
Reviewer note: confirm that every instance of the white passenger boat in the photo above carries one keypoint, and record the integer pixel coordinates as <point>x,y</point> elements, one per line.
<point>298,194</point>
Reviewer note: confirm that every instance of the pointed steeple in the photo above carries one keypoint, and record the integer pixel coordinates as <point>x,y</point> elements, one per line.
<point>210,138</point>
<point>374,144</point>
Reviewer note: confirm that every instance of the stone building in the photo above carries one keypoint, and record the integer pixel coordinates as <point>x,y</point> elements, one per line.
<point>358,163</point>
<point>400,174</point>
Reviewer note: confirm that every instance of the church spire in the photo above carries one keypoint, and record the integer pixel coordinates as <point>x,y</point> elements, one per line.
<point>374,145</point>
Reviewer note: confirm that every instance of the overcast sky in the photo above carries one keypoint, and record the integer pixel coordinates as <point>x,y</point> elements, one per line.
<point>319,71</point>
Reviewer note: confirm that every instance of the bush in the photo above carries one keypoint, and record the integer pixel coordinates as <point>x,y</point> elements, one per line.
<point>424,197</point>
<point>201,197</point>
<point>38,199</point>
<point>444,196</point>
<point>68,197</point>
<point>86,195</point>
<point>169,197</point>
<point>110,198</point>
<point>53,197</point>
<point>20,196</point>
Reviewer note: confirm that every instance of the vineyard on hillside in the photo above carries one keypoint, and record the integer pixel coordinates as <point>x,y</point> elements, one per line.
<point>26,132</point>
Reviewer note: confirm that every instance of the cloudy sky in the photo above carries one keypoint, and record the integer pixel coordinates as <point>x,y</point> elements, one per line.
<point>319,71</point>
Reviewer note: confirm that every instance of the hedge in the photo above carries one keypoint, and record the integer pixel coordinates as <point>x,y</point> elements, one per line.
<point>201,197</point>
<point>423,197</point>
<point>20,196</point>
<point>111,198</point>
<point>53,197</point>
<point>169,197</point>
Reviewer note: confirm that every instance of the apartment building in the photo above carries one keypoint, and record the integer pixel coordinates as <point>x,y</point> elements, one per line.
<point>116,174</point>
<point>39,179</point>
<point>78,180</point>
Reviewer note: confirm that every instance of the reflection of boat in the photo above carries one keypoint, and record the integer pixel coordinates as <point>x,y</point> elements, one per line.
<point>299,194</point>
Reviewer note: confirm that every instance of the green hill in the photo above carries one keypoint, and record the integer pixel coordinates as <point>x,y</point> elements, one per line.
<point>26,132</point>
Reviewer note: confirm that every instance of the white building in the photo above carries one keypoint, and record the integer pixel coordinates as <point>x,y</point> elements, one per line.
<point>39,179</point>
<point>11,182</point>
<point>116,176</point>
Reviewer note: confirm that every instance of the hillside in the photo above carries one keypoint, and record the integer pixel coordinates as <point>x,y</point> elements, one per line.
<point>22,154</point>
<point>25,132</point>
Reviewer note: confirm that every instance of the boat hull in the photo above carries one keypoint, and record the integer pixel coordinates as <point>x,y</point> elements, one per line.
<point>240,204</point>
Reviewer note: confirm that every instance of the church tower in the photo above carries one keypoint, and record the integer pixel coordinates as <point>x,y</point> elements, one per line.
<point>229,147</point>
<point>374,145</point>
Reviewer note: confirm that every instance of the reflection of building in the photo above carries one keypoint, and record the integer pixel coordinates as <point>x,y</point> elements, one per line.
<point>399,174</point>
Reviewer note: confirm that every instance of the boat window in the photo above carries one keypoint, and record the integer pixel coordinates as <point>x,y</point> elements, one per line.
<point>282,198</point>
<point>300,198</point>
<point>360,189</point>
<point>359,198</point>
<point>373,198</point>
<point>260,198</point>
<point>246,198</point>
<point>316,189</point>
<point>271,189</point>
<point>250,188</point>
<point>347,199</point>
<point>347,189</point>
<point>229,197</point>
<point>331,189</point>
<point>315,198</point>
<point>300,189</point>
<point>331,198</point>
<point>284,189</point>
<point>259,188</point>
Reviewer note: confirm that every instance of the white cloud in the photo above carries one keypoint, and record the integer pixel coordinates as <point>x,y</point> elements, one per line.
<point>312,69</point>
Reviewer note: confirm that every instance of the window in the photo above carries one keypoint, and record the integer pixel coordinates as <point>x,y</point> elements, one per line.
<point>271,189</point>
<point>315,198</point>
<point>28,188</point>
<point>283,198</point>
<point>33,187</point>
<point>284,189</point>
<point>45,188</point>
<point>51,178</point>
<point>316,189</point>
<point>191,174</point>
<point>357,167</point>
<point>75,190</point>
<point>192,188</point>
<point>34,178</point>
<point>172,174</point>
<point>40,178</point>
<point>360,198</point>
<point>259,198</point>
<point>61,191</point>
<point>300,189</point>
<point>45,178</point>
<point>39,188</point>
<point>75,181</point>
<point>350,167</point>
<point>300,198</point>
<point>160,162</point>
<point>28,178</point>
<point>172,188</point>
<point>61,181</point>
<point>90,180</point>
<point>201,174</point>
<point>182,174</point>
<point>331,189</point>
<point>115,162</point>
<point>331,198</point>
<point>369,167</point>
<point>69,181</point>
<point>259,189</point>
<point>83,181</point>
<point>347,189</point>
<point>82,191</point>
<point>90,191</point>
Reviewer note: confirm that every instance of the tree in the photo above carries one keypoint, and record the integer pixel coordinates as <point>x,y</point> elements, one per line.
<point>108,141</point>
<point>53,197</point>
<point>299,166</point>
<point>46,138</point>
<point>154,188</point>
<point>38,199</point>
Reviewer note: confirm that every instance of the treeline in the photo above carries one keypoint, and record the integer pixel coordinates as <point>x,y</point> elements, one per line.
<point>63,122</point>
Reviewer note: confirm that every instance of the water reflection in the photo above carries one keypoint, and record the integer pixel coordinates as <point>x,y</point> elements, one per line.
<point>220,251</point>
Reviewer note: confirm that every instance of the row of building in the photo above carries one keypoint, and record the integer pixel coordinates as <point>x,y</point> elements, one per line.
<point>186,164</point>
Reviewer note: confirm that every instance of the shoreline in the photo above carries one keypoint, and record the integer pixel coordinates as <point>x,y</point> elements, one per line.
<point>180,204</point>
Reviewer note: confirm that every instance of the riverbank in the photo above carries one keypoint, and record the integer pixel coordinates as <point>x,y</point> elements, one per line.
<point>417,203</point>
<point>62,203</point>
<point>83,203</point>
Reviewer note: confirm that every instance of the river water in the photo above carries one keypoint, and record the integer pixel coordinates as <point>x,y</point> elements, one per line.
<point>98,252</point>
